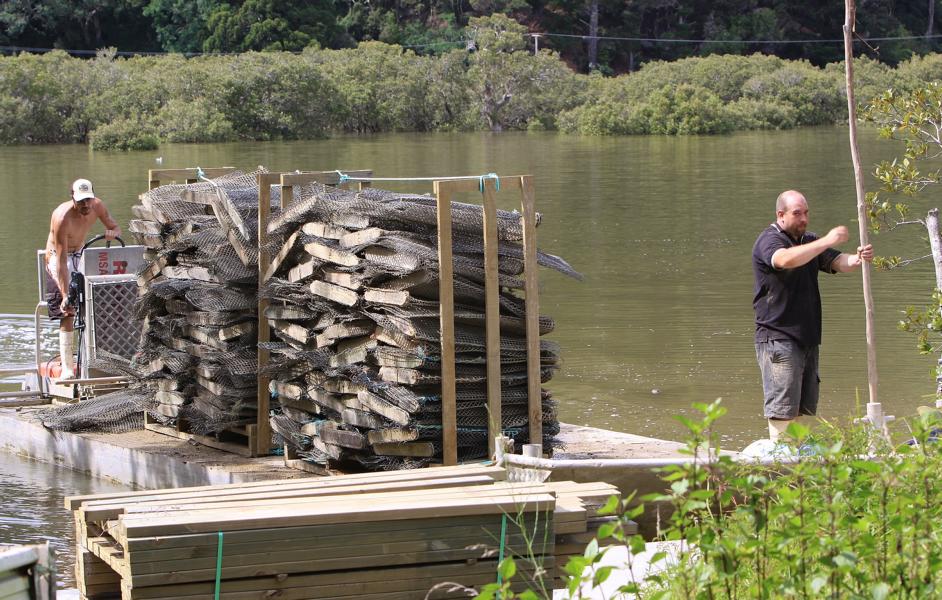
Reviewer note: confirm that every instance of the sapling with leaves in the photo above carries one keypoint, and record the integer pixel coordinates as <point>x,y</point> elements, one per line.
<point>914,118</point>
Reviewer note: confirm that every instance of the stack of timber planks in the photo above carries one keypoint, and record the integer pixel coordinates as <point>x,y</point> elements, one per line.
<point>27,572</point>
<point>198,301</point>
<point>354,304</point>
<point>392,535</point>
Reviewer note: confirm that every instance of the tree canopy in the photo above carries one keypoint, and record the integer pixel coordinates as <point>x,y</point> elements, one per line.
<point>438,26</point>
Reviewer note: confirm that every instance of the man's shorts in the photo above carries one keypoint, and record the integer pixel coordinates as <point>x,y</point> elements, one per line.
<point>789,378</point>
<point>54,295</point>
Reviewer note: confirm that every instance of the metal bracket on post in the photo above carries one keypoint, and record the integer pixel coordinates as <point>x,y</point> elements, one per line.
<point>877,419</point>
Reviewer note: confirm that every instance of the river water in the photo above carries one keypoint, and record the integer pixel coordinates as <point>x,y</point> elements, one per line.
<point>661,228</point>
<point>32,511</point>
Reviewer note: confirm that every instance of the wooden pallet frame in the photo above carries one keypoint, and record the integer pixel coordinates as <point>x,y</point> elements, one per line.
<point>247,449</point>
<point>259,435</point>
<point>460,500</point>
<point>444,192</point>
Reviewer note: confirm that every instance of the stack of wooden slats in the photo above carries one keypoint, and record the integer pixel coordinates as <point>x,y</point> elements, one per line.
<point>26,572</point>
<point>198,302</point>
<point>354,287</point>
<point>391,535</point>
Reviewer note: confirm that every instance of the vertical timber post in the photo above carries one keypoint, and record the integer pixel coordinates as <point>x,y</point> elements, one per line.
<point>532,291</point>
<point>287,194</point>
<point>863,218</point>
<point>444,191</point>
<point>492,315</point>
<point>263,425</point>
<point>447,322</point>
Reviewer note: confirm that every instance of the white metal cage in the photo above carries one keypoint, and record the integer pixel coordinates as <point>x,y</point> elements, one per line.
<point>110,292</point>
<point>110,328</point>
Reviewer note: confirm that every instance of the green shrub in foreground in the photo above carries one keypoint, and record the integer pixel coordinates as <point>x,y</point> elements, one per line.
<point>859,519</point>
<point>856,518</point>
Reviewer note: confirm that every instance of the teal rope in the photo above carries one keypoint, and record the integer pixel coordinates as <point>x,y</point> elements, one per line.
<point>218,566</point>
<point>201,174</point>
<point>489,176</point>
<point>503,537</point>
<point>345,178</point>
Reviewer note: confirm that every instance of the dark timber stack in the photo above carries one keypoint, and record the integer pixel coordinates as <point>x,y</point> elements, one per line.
<point>354,304</point>
<point>198,303</point>
<point>390,536</point>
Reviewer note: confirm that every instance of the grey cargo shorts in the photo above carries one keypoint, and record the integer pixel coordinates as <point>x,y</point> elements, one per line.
<point>790,379</point>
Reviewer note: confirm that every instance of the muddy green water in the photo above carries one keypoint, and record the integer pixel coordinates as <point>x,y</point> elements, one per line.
<point>32,511</point>
<point>662,229</point>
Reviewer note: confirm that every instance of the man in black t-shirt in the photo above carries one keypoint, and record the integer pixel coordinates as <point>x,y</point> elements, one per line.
<point>786,260</point>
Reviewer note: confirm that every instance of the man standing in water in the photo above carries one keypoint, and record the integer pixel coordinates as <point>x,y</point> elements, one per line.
<point>786,260</point>
<point>68,229</point>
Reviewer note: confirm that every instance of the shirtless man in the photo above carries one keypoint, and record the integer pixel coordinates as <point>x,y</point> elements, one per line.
<point>70,224</point>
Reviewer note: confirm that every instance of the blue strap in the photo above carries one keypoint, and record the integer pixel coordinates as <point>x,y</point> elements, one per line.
<point>218,566</point>
<point>344,178</point>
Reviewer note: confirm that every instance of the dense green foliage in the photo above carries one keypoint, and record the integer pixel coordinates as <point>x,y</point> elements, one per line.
<point>914,118</point>
<point>721,93</point>
<point>435,26</point>
<point>138,102</point>
<point>856,517</point>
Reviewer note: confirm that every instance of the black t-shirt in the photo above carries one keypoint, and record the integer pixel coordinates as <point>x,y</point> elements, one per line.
<point>787,301</point>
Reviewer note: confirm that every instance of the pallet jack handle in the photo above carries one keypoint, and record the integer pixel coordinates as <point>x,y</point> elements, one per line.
<point>100,236</point>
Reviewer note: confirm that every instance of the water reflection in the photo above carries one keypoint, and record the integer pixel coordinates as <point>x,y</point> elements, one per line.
<point>31,507</point>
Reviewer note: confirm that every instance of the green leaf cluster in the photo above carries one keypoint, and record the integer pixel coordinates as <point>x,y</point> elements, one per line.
<point>912,115</point>
<point>714,94</point>
<point>856,517</point>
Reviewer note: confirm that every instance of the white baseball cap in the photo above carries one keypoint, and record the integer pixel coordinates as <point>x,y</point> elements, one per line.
<point>82,190</point>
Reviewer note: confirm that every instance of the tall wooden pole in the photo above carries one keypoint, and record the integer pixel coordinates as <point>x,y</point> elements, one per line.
<point>862,216</point>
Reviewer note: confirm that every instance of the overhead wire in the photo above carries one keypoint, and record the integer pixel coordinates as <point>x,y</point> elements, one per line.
<point>693,41</point>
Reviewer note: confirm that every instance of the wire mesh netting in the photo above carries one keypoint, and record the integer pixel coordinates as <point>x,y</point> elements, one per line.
<point>353,305</point>
<point>117,412</point>
<point>356,361</point>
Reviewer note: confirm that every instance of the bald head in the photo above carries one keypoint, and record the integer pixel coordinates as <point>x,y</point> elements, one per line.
<point>787,198</point>
<point>791,213</point>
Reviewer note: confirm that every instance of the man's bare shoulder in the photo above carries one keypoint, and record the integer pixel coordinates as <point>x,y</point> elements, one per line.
<point>60,212</point>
